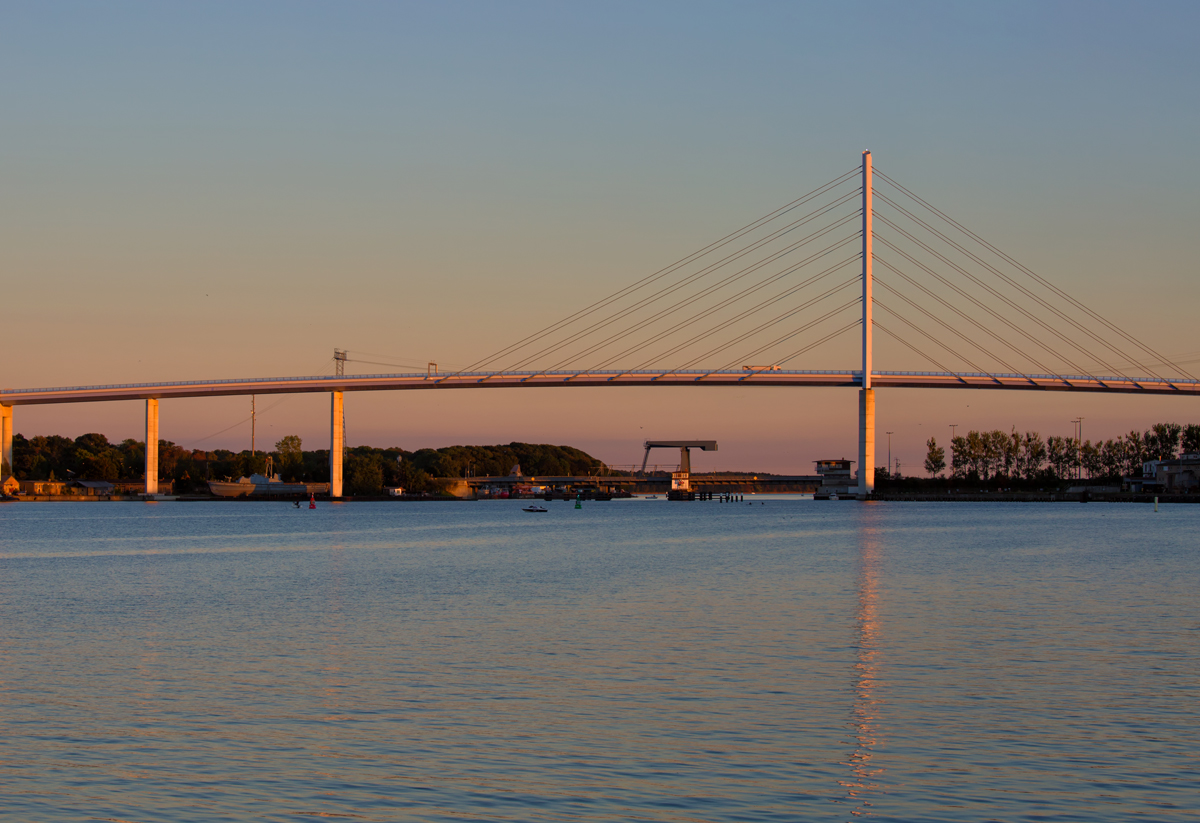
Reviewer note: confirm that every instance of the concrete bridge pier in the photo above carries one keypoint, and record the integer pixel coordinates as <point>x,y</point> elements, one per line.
<point>337,444</point>
<point>151,445</point>
<point>866,443</point>
<point>6,435</point>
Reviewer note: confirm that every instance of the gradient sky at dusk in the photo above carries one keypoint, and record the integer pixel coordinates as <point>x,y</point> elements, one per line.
<point>218,190</point>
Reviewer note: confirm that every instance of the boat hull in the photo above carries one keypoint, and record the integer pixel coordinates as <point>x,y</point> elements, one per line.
<point>233,489</point>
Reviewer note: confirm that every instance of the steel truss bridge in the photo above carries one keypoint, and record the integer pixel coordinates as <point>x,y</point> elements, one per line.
<point>991,322</point>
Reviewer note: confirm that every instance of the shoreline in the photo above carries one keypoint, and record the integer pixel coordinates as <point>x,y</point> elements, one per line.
<point>915,497</point>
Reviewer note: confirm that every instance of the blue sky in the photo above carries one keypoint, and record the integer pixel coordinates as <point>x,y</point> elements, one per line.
<point>232,189</point>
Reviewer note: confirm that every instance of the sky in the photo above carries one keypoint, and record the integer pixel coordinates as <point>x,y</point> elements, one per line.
<point>221,190</point>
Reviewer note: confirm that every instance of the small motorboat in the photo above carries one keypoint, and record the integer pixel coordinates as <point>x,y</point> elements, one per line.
<point>534,508</point>
<point>652,497</point>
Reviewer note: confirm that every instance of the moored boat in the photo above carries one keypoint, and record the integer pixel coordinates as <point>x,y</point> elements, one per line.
<point>256,485</point>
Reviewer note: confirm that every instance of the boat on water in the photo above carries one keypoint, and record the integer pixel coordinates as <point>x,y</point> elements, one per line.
<point>534,508</point>
<point>652,497</point>
<point>268,485</point>
<point>256,485</point>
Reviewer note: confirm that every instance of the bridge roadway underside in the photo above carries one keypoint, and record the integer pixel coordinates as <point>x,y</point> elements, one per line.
<point>499,380</point>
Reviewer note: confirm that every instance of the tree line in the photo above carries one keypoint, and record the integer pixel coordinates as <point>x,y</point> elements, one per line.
<point>366,469</point>
<point>983,456</point>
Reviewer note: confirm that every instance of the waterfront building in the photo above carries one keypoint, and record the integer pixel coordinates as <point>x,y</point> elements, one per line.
<point>1179,476</point>
<point>837,477</point>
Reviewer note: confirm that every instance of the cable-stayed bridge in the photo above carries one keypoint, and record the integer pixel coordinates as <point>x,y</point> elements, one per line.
<point>806,284</point>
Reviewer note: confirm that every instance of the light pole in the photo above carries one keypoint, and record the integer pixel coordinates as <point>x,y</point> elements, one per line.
<point>953,426</point>
<point>1078,444</point>
<point>889,434</point>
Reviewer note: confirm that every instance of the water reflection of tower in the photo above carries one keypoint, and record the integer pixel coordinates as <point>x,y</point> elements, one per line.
<point>864,717</point>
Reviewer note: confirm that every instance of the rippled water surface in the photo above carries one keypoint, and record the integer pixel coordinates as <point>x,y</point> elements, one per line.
<point>632,660</point>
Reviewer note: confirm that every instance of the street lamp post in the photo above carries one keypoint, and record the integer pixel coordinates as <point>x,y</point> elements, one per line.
<point>1078,445</point>
<point>889,434</point>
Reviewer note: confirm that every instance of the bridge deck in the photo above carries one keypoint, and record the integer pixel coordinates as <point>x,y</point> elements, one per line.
<point>499,380</point>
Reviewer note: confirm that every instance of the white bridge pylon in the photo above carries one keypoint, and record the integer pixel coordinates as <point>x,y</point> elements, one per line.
<point>990,310</point>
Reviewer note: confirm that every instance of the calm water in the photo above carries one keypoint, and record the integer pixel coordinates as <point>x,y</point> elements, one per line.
<point>633,660</point>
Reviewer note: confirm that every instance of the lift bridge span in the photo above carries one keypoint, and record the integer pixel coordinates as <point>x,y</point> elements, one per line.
<point>990,322</point>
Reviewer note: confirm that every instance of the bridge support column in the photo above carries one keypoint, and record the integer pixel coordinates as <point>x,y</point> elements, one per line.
<point>866,443</point>
<point>151,445</point>
<point>337,443</point>
<point>866,395</point>
<point>6,435</point>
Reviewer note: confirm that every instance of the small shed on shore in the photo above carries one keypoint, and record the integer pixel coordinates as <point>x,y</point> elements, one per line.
<point>93,487</point>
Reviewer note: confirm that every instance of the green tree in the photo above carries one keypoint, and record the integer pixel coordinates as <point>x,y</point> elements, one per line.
<point>291,458</point>
<point>364,473</point>
<point>977,454</point>
<point>133,459</point>
<point>1112,457</point>
<point>995,446</point>
<point>1191,439</point>
<point>1033,455</point>
<point>935,458</point>
<point>1092,457</point>
<point>1162,441</point>
<point>1061,455</point>
<point>960,463</point>
<point>1135,454</point>
<point>97,466</point>
<point>1010,448</point>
